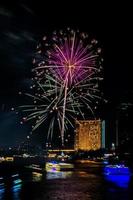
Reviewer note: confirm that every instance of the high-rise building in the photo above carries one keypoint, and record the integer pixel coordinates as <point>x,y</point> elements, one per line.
<point>90,135</point>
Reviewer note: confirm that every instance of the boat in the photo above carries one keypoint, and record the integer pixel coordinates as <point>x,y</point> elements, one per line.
<point>58,166</point>
<point>116,170</point>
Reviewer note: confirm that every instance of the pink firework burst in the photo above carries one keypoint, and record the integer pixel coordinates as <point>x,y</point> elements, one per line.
<point>71,58</point>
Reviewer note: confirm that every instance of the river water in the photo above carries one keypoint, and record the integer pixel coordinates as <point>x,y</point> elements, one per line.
<point>84,183</point>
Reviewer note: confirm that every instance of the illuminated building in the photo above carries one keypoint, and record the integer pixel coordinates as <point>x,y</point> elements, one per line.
<point>90,135</point>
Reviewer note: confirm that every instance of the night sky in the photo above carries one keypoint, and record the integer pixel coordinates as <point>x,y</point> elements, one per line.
<point>23,24</point>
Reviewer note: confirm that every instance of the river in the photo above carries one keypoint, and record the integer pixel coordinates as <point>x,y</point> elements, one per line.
<point>84,183</point>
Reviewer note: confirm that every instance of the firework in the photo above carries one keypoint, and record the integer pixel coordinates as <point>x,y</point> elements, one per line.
<point>67,68</point>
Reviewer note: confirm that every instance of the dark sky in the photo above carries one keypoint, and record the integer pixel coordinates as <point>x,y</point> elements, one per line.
<point>22,25</point>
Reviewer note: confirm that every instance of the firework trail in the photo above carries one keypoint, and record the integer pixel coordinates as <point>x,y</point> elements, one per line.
<point>66,68</point>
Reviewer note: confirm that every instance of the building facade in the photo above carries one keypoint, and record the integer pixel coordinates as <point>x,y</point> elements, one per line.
<point>90,135</point>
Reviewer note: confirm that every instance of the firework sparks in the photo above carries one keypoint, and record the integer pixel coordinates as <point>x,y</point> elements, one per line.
<point>66,72</point>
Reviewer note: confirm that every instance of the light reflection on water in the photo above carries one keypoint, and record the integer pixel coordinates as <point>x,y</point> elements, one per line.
<point>16,186</point>
<point>58,175</point>
<point>83,174</point>
<point>119,180</point>
<point>36,177</point>
<point>2,191</point>
<point>10,187</point>
<point>2,188</point>
<point>16,191</point>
